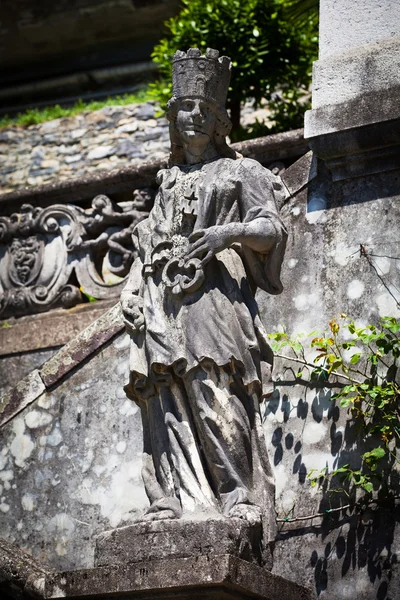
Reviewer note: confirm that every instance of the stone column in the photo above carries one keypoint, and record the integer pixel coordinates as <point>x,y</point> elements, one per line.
<point>354,124</point>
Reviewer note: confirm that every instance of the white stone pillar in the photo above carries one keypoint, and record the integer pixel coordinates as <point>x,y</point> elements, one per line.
<point>354,124</point>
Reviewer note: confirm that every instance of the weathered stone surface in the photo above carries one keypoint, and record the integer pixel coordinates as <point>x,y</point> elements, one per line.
<point>204,447</point>
<point>346,26</point>
<point>44,249</point>
<point>359,151</point>
<point>181,538</point>
<point>24,393</point>
<point>48,330</point>
<point>300,174</point>
<point>14,367</point>
<point>354,122</point>
<point>82,346</point>
<point>216,578</point>
<point>364,70</point>
<point>324,274</point>
<point>19,569</point>
<point>70,463</point>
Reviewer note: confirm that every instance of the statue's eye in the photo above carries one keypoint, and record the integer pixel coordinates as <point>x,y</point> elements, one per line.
<point>187,105</point>
<point>204,109</point>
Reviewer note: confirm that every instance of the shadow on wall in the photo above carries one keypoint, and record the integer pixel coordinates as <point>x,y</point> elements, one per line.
<point>359,535</point>
<point>323,194</point>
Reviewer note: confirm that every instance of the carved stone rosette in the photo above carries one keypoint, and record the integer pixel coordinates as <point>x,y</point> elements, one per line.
<point>61,255</point>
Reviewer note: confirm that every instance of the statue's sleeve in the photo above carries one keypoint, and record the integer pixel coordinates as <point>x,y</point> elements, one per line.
<point>134,279</point>
<point>135,276</point>
<point>259,192</point>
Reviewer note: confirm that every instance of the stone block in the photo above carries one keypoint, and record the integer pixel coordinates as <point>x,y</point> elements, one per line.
<point>359,71</point>
<point>346,25</point>
<point>82,346</point>
<point>51,329</point>
<point>179,538</point>
<point>300,174</point>
<point>24,393</point>
<point>196,578</point>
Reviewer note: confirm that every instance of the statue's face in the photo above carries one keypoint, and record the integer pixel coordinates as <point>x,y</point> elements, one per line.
<point>195,121</point>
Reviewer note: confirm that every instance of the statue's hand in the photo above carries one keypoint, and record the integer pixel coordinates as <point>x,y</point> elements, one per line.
<point>132,311</point>
<point>205,243</point>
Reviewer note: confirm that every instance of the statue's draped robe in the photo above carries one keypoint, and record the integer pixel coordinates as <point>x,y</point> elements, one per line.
<point>203,363</point>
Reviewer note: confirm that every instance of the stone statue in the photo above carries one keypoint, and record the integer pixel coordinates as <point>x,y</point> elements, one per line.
<point>200,362</point>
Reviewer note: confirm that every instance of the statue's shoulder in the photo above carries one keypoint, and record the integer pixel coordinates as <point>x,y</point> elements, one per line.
<point>246,170</point>
<point>249,164</point>
<point>236,165</point>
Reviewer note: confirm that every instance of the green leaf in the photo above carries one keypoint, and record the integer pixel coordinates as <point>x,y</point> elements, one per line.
<point>375,454</point>
<point>355,359</point>
<point>367,486</point>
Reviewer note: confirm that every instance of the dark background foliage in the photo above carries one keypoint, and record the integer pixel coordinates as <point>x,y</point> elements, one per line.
<point>271,52</point>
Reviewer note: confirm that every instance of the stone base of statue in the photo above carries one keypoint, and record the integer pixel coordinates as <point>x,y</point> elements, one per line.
<point>181,538</point>
<point>211,559</point>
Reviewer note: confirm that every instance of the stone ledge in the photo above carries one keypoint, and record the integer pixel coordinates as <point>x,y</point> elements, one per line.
<point>49,330</point>
<point>270,148</point>
<point>360,151</point>
<point>180,538</point>
<point>356,71</point>
<point>210,578</point>
<point>19,397</point>
<point>221,577</point>
<point>65,360</point>
<point>82,346</point>
<point>366,109</point>
<point>19,570</point>
<point>359,137</point>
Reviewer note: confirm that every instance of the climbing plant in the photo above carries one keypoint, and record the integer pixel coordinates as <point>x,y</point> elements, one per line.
<point>271,56</point>
<point>362,363</point>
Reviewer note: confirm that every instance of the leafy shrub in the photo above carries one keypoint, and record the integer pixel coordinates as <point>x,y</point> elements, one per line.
<point>271,58</point>
<point>363,363</point>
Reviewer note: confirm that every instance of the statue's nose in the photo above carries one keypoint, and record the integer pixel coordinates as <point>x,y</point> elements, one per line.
<point>196,112</point>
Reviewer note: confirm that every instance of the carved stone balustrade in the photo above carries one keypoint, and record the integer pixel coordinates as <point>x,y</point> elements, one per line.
<point>63,254</point>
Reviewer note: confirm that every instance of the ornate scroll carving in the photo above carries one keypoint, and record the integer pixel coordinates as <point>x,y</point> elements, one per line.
<point>56,256</point>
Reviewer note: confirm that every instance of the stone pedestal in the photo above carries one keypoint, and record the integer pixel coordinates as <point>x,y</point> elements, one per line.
<point>201,578</point>
<point>181,538</point>
<point>354,124</point>
<point>211,559</point>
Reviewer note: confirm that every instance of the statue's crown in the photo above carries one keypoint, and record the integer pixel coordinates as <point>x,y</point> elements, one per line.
<point>194,74</point>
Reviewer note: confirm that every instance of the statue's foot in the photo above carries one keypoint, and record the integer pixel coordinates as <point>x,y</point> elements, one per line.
<point>162,509</point>
<point>247,512</point>
<point>160,515</point>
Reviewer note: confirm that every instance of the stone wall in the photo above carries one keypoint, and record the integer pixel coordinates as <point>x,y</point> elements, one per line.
<point>340,555</point>
<point>93,143</point>
<point>71,463</point>
<point>71,458</point>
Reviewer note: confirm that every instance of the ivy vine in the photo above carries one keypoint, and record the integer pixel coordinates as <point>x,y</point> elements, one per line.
<point>361,362</point>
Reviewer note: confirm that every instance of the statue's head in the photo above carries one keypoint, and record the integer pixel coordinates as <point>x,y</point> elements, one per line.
<point>197,110</point>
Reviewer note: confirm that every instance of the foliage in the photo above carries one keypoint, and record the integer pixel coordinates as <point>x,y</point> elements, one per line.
<point>87,296</point>
<point>300,12</point>
<point>34,116</point>
<point>271,58</point>
<point>366,359</point>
